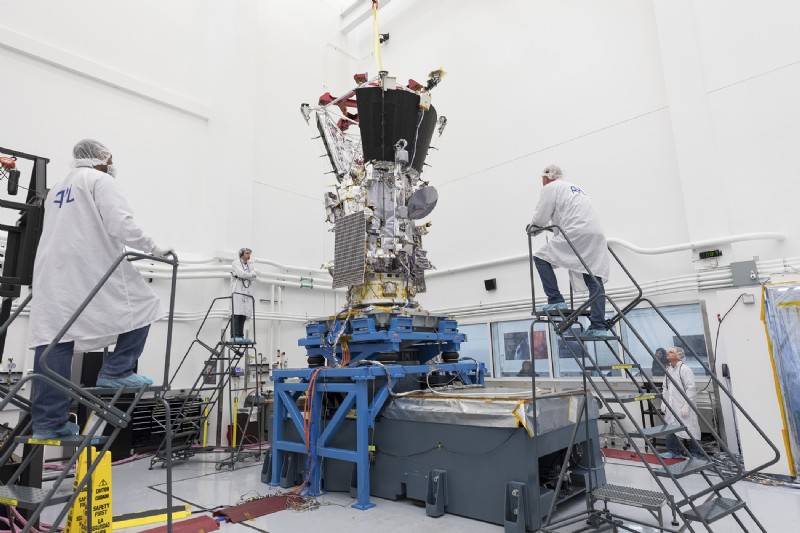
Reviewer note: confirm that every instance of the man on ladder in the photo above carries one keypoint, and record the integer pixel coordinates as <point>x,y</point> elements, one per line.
<point>242,276</point>
<point>567,206</point>
<point>87,223</point>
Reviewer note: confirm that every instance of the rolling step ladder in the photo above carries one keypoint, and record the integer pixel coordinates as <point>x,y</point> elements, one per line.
<point>18,490</point>
<point>690,508</point>
<point>189,425</point>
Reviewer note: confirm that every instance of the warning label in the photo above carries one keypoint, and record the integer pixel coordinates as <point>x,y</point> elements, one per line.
<point>101,514</point>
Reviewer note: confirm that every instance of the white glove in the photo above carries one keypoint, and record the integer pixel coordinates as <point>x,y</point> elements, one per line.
<point>663,408</point>
<point>684,411</point>
<point>158,251</point>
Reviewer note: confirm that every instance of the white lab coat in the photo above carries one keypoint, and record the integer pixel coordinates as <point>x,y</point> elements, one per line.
<point>242,277</point>
<point>566,205</point>
<point>684,376</point>
<point>87,223</point>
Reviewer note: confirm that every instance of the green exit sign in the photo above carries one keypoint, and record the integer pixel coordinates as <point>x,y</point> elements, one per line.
<point>710,253</point>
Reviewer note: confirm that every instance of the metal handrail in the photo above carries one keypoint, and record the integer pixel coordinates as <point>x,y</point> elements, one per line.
<point>572,318</point>
<point>180,416</point>
<point>103,409</point>
<point>106,411</point>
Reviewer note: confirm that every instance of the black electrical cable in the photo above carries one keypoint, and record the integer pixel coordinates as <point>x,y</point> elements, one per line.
<point>713,357</point>
<point>441,447</point>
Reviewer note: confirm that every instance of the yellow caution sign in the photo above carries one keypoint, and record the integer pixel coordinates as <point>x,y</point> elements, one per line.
<point>101,496</point>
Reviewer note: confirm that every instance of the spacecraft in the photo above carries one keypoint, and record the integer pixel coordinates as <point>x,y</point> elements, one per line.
<point>385,358</point>
<point>377,137</point>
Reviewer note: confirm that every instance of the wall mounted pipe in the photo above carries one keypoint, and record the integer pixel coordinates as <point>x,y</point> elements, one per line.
<point>164,275</point>
<point>625,244</point>
<point>756,236</point>
<point>225,269</point>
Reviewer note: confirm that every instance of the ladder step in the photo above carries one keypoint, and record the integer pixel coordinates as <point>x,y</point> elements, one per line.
<point>661,430</point>
<point>684,468</point>
<point>182,434</point>
<point>714,509</point>
<point>586,338</point>
<point>557,313</point>
<point>103,391</point>
<point>627,398</point>
<point>605,368</point>
<point>647,499</point>
<point>30,497</point>
<point>74,440</point>
<point>196,418</point>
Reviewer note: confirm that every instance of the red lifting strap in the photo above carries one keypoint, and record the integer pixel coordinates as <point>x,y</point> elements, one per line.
<point>327,98</point>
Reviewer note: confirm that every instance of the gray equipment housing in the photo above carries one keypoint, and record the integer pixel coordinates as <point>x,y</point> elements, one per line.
<point>489,473</point>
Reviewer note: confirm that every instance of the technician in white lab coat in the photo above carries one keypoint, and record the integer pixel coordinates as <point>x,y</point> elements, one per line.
<point>567,206</point>
<point>242,276</point>
<point>684,377</point>
<point>87,224</point>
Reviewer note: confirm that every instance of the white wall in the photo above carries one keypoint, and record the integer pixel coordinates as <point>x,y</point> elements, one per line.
<point>743,347</point>
<point>678,118</point>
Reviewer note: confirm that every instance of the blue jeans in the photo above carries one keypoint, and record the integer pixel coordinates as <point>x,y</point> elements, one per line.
<point>550,283</point>
<point>50,408</point>
<point>237,325</point>
<point>675,447</point>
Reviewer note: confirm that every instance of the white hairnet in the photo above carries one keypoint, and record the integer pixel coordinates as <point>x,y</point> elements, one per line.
<point>678,352</point>
<point>552,171</point>
<point>90,153</point>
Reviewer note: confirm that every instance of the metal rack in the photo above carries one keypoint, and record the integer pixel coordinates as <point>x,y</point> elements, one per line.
<point>690,508</point>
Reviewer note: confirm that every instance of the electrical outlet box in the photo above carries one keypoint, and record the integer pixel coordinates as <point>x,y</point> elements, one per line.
<point>748,299</point>
<point>744,273</point>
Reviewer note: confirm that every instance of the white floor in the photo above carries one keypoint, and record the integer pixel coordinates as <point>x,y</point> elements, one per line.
<point>199,484</point>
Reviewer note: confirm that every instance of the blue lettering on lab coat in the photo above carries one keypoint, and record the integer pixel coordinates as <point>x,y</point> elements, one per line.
<point>64,196</point>
<point>576,189</point>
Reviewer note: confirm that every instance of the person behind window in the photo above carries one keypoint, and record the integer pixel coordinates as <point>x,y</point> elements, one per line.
<point>660,355</point>
<point>687,416</point>
<point>523,350</point>
<point>526,370</point>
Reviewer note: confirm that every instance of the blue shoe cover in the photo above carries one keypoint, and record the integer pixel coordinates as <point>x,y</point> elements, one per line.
<point>131,381</point>
<point>69,429</point>
<point>596,334</point>
<point>552,307</point>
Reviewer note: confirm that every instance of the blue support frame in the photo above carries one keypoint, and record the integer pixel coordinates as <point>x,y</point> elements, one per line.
<point>354,382</point>
<point>365,339</point>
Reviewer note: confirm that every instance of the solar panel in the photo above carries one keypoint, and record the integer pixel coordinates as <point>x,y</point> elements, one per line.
<point>350,250</point>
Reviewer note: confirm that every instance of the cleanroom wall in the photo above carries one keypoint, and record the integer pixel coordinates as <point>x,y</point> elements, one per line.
<point>617,93</point>
<point>579,84</point>
<point>677,118</point>
<point>138,77</point>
